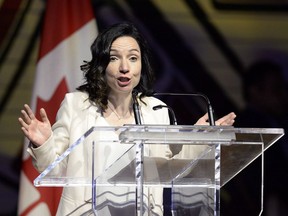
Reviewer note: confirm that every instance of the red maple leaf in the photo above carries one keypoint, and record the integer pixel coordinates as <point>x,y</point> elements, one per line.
<point>49,195</point>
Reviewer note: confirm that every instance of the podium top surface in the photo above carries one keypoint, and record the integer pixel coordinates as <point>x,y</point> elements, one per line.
<point>240,146</point>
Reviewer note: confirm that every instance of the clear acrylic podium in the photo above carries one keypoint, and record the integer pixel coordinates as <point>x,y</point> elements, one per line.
<point>205,159</point>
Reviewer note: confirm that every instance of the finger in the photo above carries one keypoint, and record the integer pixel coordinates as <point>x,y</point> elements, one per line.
<point>26,118</point>
<point>232,115</point>
<point>24,126</point>
<point>205,117</point>
<point>26,132</point>
<point>44,116</point>
<point>223,119</point>
<point>203,120</point>
<point>231,119</point>
<point>29,112</point>
<point>228,117</point>
<point>23,123</point>
<point>227,120</point>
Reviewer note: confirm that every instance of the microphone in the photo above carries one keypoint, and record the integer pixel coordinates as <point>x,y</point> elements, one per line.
<point>136,110</point>
<point>174,148</point>
<point>210,110</point>
<point>170,109</point>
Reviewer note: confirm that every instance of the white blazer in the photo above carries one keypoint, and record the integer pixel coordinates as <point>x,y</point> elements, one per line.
<point>76,115</point>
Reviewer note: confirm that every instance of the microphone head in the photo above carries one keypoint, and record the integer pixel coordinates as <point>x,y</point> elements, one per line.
<point>170,110</point>
<point>157,107</point>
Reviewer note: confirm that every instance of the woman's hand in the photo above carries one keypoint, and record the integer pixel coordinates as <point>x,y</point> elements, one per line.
<point>36,131</point>
<point>226,120</point>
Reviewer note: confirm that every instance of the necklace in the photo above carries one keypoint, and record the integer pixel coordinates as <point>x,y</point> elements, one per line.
<point>118,116</point>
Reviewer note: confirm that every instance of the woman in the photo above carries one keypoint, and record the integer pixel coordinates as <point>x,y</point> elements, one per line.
<point>120,64</point>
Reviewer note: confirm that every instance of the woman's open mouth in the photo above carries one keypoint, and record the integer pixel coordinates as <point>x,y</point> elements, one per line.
<point>123,81</point>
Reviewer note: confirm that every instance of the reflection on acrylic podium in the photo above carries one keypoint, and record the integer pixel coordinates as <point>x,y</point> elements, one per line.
<point>133,181</point>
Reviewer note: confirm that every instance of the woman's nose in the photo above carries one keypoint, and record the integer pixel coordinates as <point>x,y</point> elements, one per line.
<point>124,66</point>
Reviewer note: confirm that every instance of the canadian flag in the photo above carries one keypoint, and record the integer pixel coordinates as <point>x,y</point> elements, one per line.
<point>68,31</point>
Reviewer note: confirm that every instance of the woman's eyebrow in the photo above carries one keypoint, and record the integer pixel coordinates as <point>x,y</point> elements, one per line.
<point>131,50</point>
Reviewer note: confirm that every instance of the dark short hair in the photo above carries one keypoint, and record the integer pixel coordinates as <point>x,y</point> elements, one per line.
<point>94,70</point>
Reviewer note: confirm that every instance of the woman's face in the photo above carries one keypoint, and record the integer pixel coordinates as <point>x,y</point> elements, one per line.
<point>124,69</point>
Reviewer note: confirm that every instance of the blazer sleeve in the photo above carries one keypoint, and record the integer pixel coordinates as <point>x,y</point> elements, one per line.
<point>58,142</point>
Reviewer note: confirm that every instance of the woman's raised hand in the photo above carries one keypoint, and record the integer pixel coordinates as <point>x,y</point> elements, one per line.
<point>226,120</point>
<point>36,131</point>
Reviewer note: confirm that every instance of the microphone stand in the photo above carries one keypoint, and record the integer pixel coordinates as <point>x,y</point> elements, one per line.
<point>139,160</point>
<point>177,149</point>
<point>136,110</point>
<point>210,110</point>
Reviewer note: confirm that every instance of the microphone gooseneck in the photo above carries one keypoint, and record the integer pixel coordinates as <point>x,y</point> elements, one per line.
<point>136,110</point>
<point>174,148</point>
<point>170,110</point>
<point>210,110</point>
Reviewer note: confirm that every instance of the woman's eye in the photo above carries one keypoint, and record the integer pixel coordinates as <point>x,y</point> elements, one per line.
<point>133,58</point>
<point>113,58</point>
